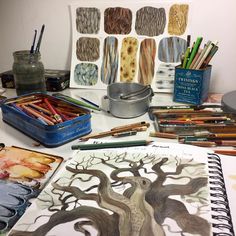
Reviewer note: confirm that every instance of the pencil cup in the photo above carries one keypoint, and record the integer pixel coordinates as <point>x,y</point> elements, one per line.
<point>28,72</point>
<point>191,86</point>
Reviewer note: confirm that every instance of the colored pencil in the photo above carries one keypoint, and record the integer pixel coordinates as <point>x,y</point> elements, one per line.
<point>194,51</point>
<point>205,55</point>
<point>163,135</point>
<point>77,102</point>
<point>226,152</point>
<point>111,145</point>
<point>115,130</point>
<point>124,134</point>
<point>134,125</point>
<point>30,110</point>
<point>209,57</point>
<point>200,56</point>
<point>186,55</point>
<point>201,143</point>
<point>51,108</point>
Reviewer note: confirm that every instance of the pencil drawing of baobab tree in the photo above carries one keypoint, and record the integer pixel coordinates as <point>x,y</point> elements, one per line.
<point>112,193</point>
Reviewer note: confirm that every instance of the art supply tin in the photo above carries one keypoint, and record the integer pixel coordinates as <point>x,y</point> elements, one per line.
<point>191,86</point>
<point>56,80</point>
<point>48,135</point>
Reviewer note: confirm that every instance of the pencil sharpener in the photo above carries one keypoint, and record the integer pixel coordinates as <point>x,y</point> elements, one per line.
<point>128,100</point>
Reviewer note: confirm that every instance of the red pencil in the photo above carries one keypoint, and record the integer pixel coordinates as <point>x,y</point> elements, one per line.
<point>50,107</point>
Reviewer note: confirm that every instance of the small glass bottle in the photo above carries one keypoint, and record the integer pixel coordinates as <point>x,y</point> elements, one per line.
<point>28,72</point>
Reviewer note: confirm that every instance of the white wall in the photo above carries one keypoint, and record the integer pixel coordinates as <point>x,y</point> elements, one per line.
<point>212,19</point>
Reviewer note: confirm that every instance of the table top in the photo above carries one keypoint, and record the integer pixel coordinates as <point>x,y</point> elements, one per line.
<point>100,121</point>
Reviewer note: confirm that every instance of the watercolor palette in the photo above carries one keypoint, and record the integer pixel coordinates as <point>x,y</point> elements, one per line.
<point>127,42</point>
<point>23,174</point>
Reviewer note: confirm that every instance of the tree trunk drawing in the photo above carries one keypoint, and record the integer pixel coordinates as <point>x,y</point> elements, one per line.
<point>141,209</point>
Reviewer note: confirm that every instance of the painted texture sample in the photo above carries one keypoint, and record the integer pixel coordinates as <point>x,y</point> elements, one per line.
<point>164,77</point>
<point>171,49</point>
<point>178,19</point>
<point>150,21</point>
<point>88,20</point>
<point>110,60</point>
<point>88,49</point>
<point>23,174</point>
<point>128,65</point>
<point>101,28</point>
<point>147,61</point>
<point>86,74</point>
<point>117,20</point>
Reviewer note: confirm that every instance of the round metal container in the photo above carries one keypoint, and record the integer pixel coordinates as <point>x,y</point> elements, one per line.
<point>228,102</point>
<point>128,100</point>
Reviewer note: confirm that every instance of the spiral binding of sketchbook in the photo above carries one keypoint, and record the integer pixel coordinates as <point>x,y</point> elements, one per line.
<point>221,215</point>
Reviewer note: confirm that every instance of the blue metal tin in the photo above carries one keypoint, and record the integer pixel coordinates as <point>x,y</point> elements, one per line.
<point>48,135</point>
<point>191,86</point>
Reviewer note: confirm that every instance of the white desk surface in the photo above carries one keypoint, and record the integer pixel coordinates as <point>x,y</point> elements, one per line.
<point>100,121</point>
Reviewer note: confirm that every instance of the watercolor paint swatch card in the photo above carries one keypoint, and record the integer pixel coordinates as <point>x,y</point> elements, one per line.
<point>23,174</point>
<point>127,42</point>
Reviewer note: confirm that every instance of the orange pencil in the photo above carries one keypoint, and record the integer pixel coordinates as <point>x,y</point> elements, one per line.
<point>226,152</point>
<point>37,114</point>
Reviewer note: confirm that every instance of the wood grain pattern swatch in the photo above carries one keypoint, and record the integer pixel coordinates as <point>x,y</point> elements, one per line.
<point>150,21</point>
<point>147,61</point>
<point>117,20</point>
<point>178,17</point>
<point>128,64</point>
<point>171,49</point>
<point>127,41</point>
<point>110,60</point>
<point>88,49</point>
<point>88,20</point>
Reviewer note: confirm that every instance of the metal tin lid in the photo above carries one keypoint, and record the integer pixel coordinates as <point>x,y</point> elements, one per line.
<point>228,102</point>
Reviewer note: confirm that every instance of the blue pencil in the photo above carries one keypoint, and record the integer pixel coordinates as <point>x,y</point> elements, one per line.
<point>92,103</point>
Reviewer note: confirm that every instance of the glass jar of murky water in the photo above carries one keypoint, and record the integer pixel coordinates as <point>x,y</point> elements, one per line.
<point>28,72</point>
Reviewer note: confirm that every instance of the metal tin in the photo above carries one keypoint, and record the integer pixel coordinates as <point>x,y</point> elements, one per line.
<point>228,102</point>
<point>48,135</point>
<point>191,86</point>
<point>132,106</point>
<point>56,80</point>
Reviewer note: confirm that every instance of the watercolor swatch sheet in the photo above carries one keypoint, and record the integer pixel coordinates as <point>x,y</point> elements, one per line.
<point>159,190</point>
<point>23,174</point>
<point>127,42</point>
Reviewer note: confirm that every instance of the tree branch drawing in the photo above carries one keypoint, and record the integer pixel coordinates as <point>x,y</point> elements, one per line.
<point>147,200</point>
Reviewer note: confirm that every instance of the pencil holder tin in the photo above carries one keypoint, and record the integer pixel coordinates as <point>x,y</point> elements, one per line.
<point>191,86</point>
<point>49,135</point>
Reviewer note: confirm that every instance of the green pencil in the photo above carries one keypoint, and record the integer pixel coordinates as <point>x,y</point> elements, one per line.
<point>194,51</point>
<point>186,55</point>
<point>75,101</point>
<point>111,145</point>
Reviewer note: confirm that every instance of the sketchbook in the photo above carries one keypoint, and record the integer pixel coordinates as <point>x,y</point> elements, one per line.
<point>23,174</point>
<point>165,189</point>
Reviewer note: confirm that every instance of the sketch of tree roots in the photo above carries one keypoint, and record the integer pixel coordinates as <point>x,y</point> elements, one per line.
<point>142,207</point>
